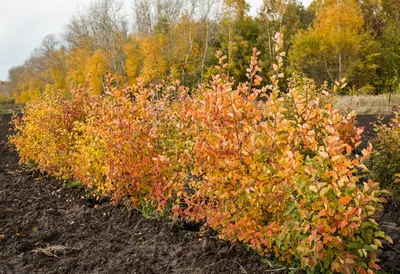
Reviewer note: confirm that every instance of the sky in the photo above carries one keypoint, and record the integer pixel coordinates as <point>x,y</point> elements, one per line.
<point>24,24</point>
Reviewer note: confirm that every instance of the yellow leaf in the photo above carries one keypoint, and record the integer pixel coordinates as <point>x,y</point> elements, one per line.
<point>323,154</point>
<point>336,157</point>
<point>325,190</point>
<point>313,188</point>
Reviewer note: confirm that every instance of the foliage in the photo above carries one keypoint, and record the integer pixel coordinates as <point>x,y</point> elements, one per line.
<point>267,167</point>
<point>385,160</point>
<point>6,99</point>
<point>331,47</point>
<point>175,39</point>
<point>279,175</point>
<point>45,132</point>
<point>44,70</point>
<point>123,145</point>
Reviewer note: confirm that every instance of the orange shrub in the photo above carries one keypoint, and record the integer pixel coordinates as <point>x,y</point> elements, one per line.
<point>45,133</point>
<point>268,168</point>
<point>277,173</point>
<point>123,145</point>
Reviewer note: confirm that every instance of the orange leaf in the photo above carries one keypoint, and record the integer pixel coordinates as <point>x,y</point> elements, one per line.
<point>374,266</point>
<point>345,200</point>
<point>319,245</point>
<point>361,270</point>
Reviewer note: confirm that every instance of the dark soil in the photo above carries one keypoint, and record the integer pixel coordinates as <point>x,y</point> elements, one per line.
<point>46,227</point>
<point>367,121</point>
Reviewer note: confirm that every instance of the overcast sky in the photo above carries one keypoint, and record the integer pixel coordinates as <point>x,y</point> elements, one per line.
<point>24,24</point>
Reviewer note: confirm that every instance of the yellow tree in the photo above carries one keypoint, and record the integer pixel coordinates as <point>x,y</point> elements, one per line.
<point>186,51</point>
<point>76,62</point>
<point>155,61</point>
<point>96,66</point>
<point>44,70</point>
<point>134,58</point>
<point>100,26</point>
<point>331,47</point>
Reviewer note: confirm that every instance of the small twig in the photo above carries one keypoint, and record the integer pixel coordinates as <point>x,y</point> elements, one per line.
<point>276,270</point>
<point>280,269</point>
<point>269,263</point>
<point>242,269</point>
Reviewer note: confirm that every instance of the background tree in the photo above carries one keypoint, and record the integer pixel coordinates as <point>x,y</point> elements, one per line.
<point>285,16</point>
<point>101,27</point>
<point>45,69</point>
<point>332,47</point>
<point>177,39</point>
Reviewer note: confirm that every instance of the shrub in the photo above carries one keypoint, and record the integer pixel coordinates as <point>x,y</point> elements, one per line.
<point>278,174</point>
<point>6,99</point>
<point>272,169</point>
<point>127,147</point>
<point>385,160</point>
<point>45,132</point>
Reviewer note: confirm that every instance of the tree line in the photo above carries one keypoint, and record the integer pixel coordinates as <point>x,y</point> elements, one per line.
<point>163,40</point>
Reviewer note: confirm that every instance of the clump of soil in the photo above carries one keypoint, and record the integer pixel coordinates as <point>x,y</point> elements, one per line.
<point>49,226</point>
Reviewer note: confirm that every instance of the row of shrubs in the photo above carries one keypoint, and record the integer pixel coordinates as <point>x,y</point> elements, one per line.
<point>384,162</point>
<point>272,169</point>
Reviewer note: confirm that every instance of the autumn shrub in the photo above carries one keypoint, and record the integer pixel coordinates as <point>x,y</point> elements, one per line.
<point>273,169</point>
<point>385,160</point>
<point>45,133</point>
<point>124,144</point>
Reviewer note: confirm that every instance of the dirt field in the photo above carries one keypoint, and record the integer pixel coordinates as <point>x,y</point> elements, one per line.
<point>45,228</point>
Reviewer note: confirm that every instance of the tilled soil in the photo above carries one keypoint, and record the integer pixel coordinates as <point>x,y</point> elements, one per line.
<point>46,227</point>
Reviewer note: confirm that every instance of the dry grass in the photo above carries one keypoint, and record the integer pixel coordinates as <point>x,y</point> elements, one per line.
<point>53,250</point>
<point>10,108</point>
<point>368,104</point>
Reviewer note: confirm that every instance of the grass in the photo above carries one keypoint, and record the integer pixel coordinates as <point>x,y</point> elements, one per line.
<point>10,108</point>
<point>72,184</point>
<point>7,104</point>
<point>53,250</point>
<point>382,104</point>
